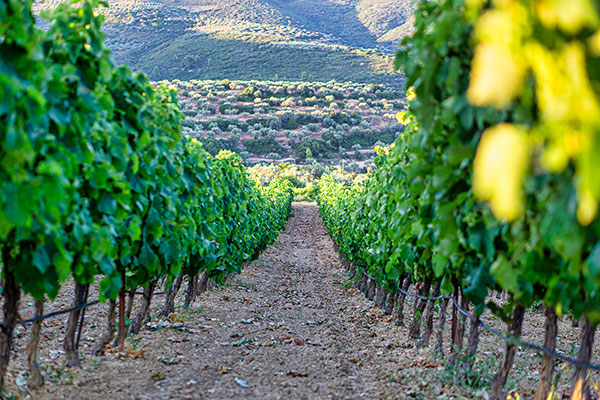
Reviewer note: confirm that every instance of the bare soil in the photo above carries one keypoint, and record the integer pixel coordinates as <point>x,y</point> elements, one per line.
<point>288,327</point>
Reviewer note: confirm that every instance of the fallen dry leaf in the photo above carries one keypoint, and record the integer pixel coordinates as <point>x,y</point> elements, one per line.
<point>158,375</point>
<point>139,353</point>
<point>174,317</point>
<point>223,369</point>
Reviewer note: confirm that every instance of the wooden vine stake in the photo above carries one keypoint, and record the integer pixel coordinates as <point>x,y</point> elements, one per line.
<point>499,380</point>
<point>172,290</point>
<point>389,303</point>
<point>35,375</point>
<point>424,342</point>
<point>401,299</point>
<point>110,332</point>
<point>473,342</point>
<point>420,304</point>
<point>121,336</point>
<point>580,389</point>
<point>454,326</point>
<point>545,382</point>
<point>69,344</point>
<point>439,344</point>
<point>138,321</point>
<point>12,295</point>
<point>202,285</point>
<point>130,300</point>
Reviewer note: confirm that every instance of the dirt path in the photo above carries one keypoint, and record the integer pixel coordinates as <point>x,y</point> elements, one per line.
<point>285,319</point>
<point>287,327</point>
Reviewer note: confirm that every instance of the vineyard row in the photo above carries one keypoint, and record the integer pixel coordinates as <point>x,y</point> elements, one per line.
<point>493,186</point>
<point>97,182</point>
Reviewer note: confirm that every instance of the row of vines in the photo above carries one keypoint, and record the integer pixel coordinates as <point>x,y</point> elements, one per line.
<point>495,183</point>
<point>97,182</point>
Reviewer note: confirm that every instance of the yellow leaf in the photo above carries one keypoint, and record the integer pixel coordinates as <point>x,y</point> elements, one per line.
<point>563,87</point>
<point>594,43</point>
<point>584,100</point>
<point>587,209</point>
<point>499,167</point>
<point>569,15</point>
<point>498,68</point>
<point>575,141</point>
<point>546,13</point>
<point>496,76</point>
<point>554,158</point>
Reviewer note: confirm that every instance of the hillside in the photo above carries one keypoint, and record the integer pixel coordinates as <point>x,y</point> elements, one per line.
<point>354,22</point>
<point>332,123</point>
<point>345,40</point>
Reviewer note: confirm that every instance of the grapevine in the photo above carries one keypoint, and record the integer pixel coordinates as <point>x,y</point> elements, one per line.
<point>98,181</point>
<point>418,218</point>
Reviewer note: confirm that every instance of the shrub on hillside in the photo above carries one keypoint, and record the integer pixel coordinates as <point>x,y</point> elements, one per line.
<point>318,148</point>
<point>264,145</point>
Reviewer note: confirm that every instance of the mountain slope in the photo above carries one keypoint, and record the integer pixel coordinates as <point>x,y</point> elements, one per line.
<point>257,39</point>
<point>354,22</point>
<point>382,17</point>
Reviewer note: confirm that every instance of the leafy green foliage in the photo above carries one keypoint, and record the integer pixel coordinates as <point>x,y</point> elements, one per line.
<point>314,147</point>
<point>96,176</point>
<point>418,214</point>
<point>264,145</point>
<point>214,146</point>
